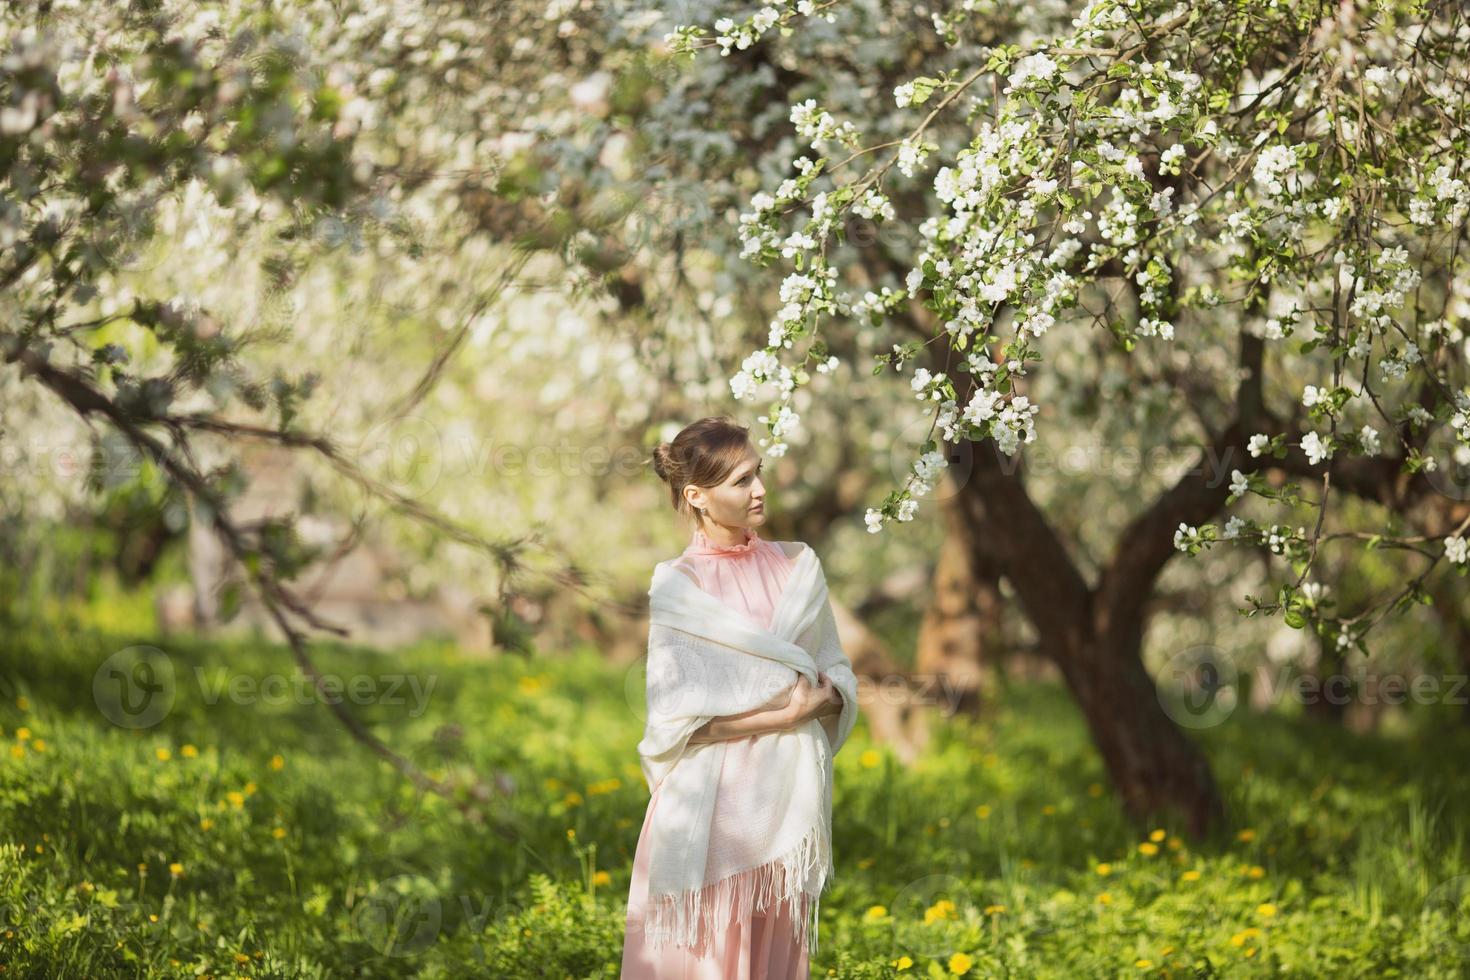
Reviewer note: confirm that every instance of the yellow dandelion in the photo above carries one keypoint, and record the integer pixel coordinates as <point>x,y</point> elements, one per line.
<point>942,909</point>
<point>1189,876</point>
<point>163,754</point>
<point>1244,936</point>
<point>903,963</point>
<point>1166,950</point>
<point>152,917</point>
<point>1255,871</point>
<point>22,733</point>
<point>573,799</point>
<point>959,964</point>
<point>1175,843</point>
<point>994,909</point>
<point>1104,869</point>
<point>176,869</point>
<point>1157,836</point>
<point>1247,835</point>
<point>982,811</point>
<point>1096,789</point>
<point>278,832</point>
<point>1143,964</point>
<point>205,823</point>
<point>875,912</point>
<point>871,759</point>
<point>250,789</point>
<point>39,745</point>
<point>278,762</point>
<point>236,798</point>
<point>1149,848</point>
<point>601,878</point>
<point>1250,952</point>
<point>1265,910</point>
<point>241,958</point>
<point>189,752</point>
<point>1105,898</point>
<point>18,751</point>
<point>571,834</point>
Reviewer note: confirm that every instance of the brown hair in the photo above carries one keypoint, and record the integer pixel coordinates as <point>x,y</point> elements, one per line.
<point>703,454</point>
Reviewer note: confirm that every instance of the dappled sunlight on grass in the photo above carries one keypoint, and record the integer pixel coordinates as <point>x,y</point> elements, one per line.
<point>244,832</point>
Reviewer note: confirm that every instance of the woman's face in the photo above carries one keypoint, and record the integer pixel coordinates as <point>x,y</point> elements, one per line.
<point>739,500</point>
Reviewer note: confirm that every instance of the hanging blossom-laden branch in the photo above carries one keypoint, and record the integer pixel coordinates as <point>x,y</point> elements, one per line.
<point>1215,156</point>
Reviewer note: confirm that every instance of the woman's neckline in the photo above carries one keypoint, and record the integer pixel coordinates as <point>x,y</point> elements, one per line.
<point>700,544</point>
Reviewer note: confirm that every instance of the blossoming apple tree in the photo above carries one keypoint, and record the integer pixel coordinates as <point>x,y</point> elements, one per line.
<point>1283,180</point>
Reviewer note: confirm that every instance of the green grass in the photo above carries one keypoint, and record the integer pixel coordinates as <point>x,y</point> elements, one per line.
<point>329,864</point>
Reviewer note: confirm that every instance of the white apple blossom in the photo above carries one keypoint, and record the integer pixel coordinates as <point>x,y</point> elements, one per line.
<point>1316,448</point>
<point>873,518</point>
<point>1032,68</point>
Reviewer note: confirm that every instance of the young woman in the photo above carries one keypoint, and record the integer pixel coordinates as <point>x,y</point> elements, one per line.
<point>735,844</point>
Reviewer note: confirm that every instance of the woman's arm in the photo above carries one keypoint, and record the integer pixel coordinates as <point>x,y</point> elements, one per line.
<point>773,716</point>
<point>795,712</point>
<point>738,726</point>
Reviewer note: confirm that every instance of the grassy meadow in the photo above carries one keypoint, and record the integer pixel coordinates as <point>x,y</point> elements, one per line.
<point>243,833</point>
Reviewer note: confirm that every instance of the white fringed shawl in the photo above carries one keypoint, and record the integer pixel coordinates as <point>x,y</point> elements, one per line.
<point>772,841</point>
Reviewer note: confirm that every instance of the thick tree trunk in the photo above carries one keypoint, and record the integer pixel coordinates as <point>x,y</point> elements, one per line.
<point>1158,771</point>
<point>962,619</point>
<point>1094,635</point>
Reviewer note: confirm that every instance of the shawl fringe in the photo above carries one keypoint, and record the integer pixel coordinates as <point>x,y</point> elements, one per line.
<point>691,918</point>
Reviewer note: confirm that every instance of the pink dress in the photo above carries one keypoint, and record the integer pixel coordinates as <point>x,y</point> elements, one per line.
<point>766,945</point>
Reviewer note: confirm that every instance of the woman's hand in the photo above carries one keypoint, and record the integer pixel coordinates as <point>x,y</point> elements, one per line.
<point>808,702</point>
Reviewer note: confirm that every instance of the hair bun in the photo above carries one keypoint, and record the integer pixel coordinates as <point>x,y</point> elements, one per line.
<point>663,462</point>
